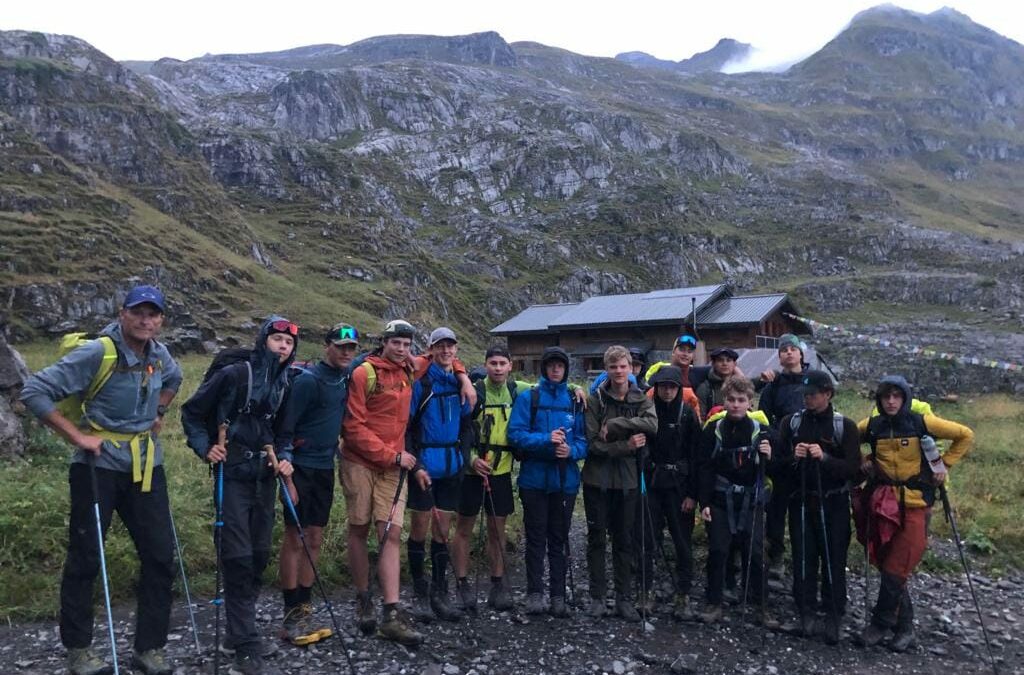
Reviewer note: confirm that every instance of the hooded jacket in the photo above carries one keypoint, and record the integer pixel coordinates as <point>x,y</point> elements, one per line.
<point>253,425</point>
<point>126,404</point>
<point>313,414</point>
<point>556,408</point>
<point>611,463</point>
<point>709,392</point>
<point>783,396</point>
<point>674,448</point>
<point>895,442</point>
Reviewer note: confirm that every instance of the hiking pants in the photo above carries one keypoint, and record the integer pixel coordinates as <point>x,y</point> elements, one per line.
<point>837,523</point>
<point>147,519</point>
<point>611,511</point>
<point>720,539</point>
<point>245,552</point>
<point>547,517</point>
<point>776,519</point>
<point>664,507</point>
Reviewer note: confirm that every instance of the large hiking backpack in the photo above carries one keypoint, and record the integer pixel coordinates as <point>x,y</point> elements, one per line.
<point>837,425</point>
<point>415,434</point>
<point>73,407</point>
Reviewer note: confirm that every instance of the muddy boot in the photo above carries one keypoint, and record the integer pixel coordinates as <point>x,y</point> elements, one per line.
<point>559,609</point>
<point>465,596</point>
<point>499,598</point>
<point>151,662</point>
<point>647,605</point>
<point>295,625</point>
<point>904,638</point>
<point>420,609</point>
<point>729,595</point>
<point>712,614</point>
<point>597,609</point>
<point>831,629</point>
<point>395,627</point>
<point>366,613</point>
<point>247,664</point>
<point>85,662</point>
<point>535,604</point>
<point>441,605</point>
<point>625,610</point>
<point>681,610</point>
<point>765,619</point>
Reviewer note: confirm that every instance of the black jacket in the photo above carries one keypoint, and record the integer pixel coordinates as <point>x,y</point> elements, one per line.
<point>735,434</point>
<point>840,462</point>
<point>672,462</point>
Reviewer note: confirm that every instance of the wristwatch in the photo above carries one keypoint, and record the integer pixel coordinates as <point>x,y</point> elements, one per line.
<point>161,410</point>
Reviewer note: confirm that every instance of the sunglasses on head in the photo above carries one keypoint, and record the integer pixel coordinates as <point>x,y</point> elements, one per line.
<point>283,326</point>
<point>347,333</point>
<point>686,341</point>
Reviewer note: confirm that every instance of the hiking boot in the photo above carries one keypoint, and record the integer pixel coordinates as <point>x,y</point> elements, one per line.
<point>249,664</point>
<point>903,640</point>
<point>625,610</point>
<point>830,630</point>
<point>766,620</point>
<point>873,635</point>
<point>499,598</point>
<point>465,596</point>
<point>597,609</point>
<point>559,609</point>
<point>777,570</point>
<point>420,609</point>
<point>681,608</point>
<point>84,662</point>
<point>394,627</point>
<point>228,649</point>
<point>647,604</point>
<point>295,625</point>
<point>151,662</point>
<point>441,605</point>
<point>808,624</point>
<point>729,595</point>
<point>366,614</point>
<point>535,603</point>
<point>712,614</point>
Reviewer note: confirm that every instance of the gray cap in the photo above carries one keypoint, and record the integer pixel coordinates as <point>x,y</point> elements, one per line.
<point>439,334</point>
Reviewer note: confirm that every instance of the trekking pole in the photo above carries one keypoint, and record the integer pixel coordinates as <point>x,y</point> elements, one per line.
<point>309,555</point>
<point>568,529</point>
<point>643,543</point>
<point>866,510</point>
<point>803,530</point>
<point>394,509</point>
<point>91,459</point>
<point>750,548</point>
<point>218,535</point>
<point>825,543</point>
<point>951,519</point>
<point>184,581</point>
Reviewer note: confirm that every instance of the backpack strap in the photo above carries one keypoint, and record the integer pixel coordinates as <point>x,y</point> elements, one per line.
<point>105,370</point>
<point>534,404</point>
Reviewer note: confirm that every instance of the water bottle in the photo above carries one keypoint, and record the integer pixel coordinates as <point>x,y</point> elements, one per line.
<point>931,453</point>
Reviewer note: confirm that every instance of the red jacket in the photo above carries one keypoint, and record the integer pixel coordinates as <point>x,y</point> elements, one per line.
<point>374,429</point>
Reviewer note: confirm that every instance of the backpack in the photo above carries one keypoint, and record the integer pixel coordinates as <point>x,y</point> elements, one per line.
<point>414,433</point>
<point>481,396</point>
<point>837,425</point>
<point>734,459</point>
<point>73,406</point>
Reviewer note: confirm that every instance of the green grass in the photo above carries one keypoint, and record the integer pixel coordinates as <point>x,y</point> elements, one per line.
<point>988,492</point>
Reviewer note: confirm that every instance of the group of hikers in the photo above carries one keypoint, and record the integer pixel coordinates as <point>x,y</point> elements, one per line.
<point>653,448</point>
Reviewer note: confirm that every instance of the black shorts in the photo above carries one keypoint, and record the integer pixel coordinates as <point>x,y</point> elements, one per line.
<point>316,494</point>
<point>443,493</point>
<point>500,503</point>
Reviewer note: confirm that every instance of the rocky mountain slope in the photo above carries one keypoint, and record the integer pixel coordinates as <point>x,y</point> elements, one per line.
<point>456,180</point>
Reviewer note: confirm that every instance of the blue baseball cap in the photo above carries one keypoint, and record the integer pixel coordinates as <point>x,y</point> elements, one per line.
<point>143,294</point>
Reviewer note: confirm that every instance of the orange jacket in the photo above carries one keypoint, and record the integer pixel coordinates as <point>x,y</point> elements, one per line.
<point>374,429</point>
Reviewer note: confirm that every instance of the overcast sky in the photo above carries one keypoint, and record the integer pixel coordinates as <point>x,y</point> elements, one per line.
<point>784,30</point>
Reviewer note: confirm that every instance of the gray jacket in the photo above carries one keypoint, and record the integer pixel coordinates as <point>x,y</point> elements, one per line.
<point>127,403</point>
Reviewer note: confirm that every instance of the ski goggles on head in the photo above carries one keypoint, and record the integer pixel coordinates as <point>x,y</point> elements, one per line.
<point>342,334</point>
<point>284,326</point>
<point>686,341</point>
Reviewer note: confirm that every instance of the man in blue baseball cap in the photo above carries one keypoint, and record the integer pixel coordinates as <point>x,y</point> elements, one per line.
<point>125,380</point>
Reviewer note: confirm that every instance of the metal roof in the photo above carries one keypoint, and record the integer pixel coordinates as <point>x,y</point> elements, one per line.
<point>744,309</point>
<point>673,304</point>
<point>533,319</point>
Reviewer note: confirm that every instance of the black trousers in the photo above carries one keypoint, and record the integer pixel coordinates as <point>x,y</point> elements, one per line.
<point>245,552</point>
<point>776,527</point>
<point>614,512</point>
<point>664,508</point>
<point>546,520</point>
<point>721,539</point>
<point>147,518</point>
<point>806,572</point>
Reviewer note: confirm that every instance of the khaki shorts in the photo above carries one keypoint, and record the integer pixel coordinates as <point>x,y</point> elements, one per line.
<point>369,494</point>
